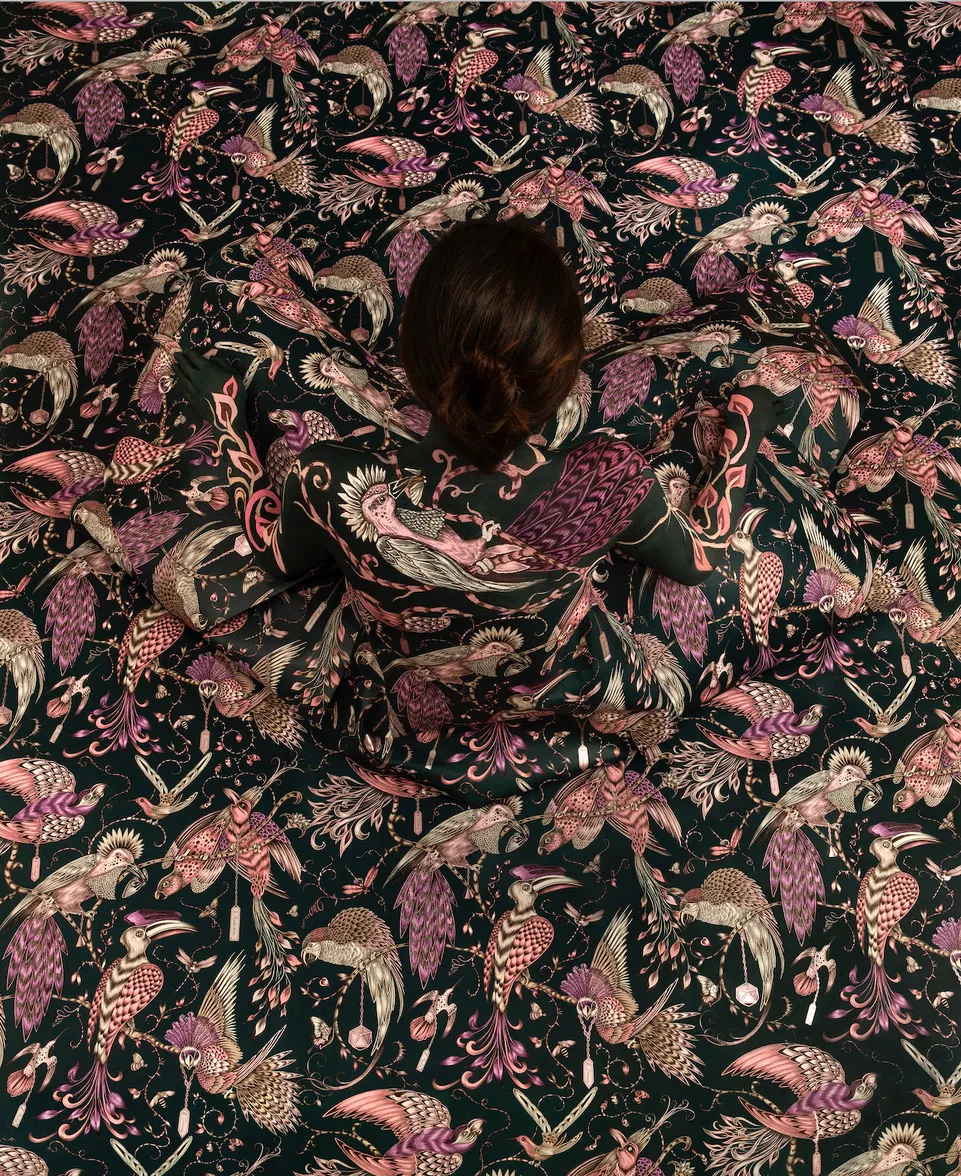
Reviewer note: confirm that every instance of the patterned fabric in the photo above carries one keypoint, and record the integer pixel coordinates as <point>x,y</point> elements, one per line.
<point>256,915</point>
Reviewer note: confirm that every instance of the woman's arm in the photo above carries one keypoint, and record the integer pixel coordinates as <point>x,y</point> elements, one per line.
<point>687,548</point>
<point>282,538</point>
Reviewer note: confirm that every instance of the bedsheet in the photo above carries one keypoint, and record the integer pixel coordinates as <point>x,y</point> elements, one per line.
<point>231,943</point>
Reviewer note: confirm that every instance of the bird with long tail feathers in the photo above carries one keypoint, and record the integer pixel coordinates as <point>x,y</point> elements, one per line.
<point>127,987</point>
<point>357,938</point>
<point>426,900</point>
<point>609,795</point>
<point>184,131</point>
<point>697,187</point>
<point>826,1105</point>
<point>776,732</point>
<point>427,1144</point>
<point>206,1043</point>
<point>729,898</point>
<point>49,125</point>
<point>251,842</point>
<point>100,23</point>
<point>50,356</point>
<point>21,660</point>
<point>37,947</point>
<point>791,857</point>
<point>70,607</point>
<point>625,1159</point>
<point>605,1001</point>
<point>467,67</point>
<point>886,896</point>
<point>759,581</point>
<point>341,806</point>
<point>518,940</point>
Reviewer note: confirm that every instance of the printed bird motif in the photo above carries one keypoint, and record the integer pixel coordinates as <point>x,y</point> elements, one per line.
<point>843,216</point>
<point>357,938</point>
<point>756,87</point>
<point>353,386</point>
<point>340,805</point>
<point>282,46</point>
<point>50,125</point>
<point>791,857</point>
<point>498,162</point>
<point>776,731</point>
<point>949,1089</point>
<point>605,1002</point>
<point>426,900</point>
<point>21,662</point>
<point>300,431</point>
<point>535,91</point>
<point>426,1144</point>
<point>52,808</point>
<point>886,896</point>
<point>681,61</point>
<point>97,233</point>
<point>101,327</point>
<point>361,63</point>
<point>826,1106</point>
<point>836,107</point>
<point>885,720</point>
<point>518,940</point>
<point>253,153</point>
<point>729,898</point>
<point>70,607</point>
<point>641,85</point>
<point>553,1141</point>
<point>832,586</point>
<point>175,579</point>
<point>929,764</point>
<point>646,729</point>
<point>582,808</point>
<point>759,581</point>
<point>36,949</point>
<point>208,230</point>
<point>788,267</point>
<point>467,67</point>
<point>806,185</point>
<point>185,130</point>
<point>264,1088</point>
<point>945,94</point>
<point>759,225</point>
<point>697,187</point>
<point>407,164</point>
<point>51,357</point>
<point>126,988</point>
<point>898,1150</point>
<point>241,691</point>
<point>364,280</point>
<point>169,800</point>
<point>628,1152</point>
<point>420,543</point>
<point>101,22</point>
<point>100,101</point>
<point>871,332</point>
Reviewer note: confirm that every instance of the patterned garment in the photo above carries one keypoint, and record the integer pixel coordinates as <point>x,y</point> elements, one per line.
<point>321,879</point>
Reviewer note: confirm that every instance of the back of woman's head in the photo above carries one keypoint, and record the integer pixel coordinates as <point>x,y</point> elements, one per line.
<point>491,335</point>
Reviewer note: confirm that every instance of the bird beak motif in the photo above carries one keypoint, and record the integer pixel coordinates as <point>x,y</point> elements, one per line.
<point>911,838</point>
<point>220,88</point>
<point>166,927</point>
<point>551,882</point>
<point>786,50</point>
<point>620,1138</point>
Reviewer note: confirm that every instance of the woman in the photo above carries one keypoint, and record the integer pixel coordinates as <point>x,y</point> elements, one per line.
<point>472,555</point>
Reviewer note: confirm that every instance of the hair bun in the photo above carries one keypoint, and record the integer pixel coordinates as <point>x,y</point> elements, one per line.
<point>488,387</point>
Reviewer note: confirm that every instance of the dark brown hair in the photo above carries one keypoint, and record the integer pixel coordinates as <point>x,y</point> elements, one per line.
<point>490,337</point>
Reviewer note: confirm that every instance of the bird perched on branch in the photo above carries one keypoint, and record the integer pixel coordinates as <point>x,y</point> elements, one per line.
<point>50,125</point>
<point>729,898</point>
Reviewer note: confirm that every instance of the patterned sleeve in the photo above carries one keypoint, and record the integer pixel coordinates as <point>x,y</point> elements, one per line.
<point>287,543</point>
<point>688,547</point>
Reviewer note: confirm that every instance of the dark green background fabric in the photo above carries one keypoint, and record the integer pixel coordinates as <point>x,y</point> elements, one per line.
<point>890,227</point>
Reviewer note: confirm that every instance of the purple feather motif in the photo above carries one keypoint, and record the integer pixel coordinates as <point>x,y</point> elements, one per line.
<point>35,970</point>
<point>601,486</point>
<point>685,612</point>
<point>408,51</point>
<point>71,618</point>
<point>795,872</point>
<point>626,381</point>
<point>100,105</point>
<point>426,904</point>
<point>101,337</point>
